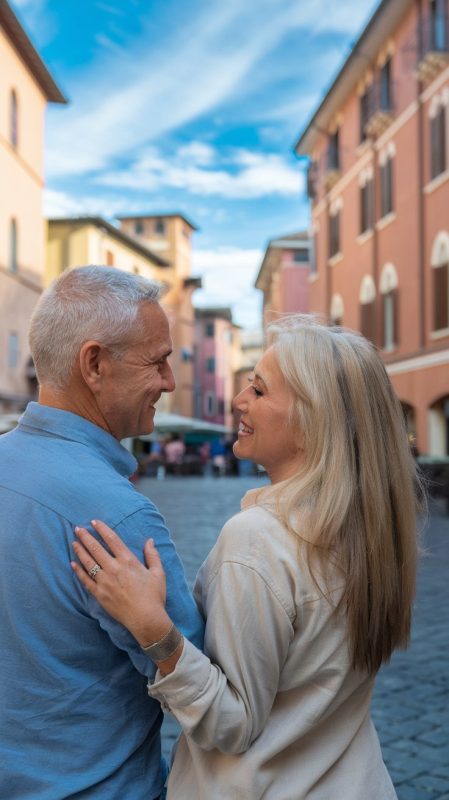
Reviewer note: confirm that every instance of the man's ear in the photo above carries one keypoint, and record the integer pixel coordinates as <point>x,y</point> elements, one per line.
<point>92,359</point>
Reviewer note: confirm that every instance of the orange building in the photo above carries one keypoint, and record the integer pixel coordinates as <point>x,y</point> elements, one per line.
<point>378,181</point>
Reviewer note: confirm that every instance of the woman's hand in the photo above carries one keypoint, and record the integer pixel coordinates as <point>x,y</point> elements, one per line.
<point>130,592</point>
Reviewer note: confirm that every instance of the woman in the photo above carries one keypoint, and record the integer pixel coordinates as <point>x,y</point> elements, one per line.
<point>306,593</point>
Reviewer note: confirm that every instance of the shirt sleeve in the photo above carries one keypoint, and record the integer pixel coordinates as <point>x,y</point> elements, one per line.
<point>223,699</point>
<point>181,607</point>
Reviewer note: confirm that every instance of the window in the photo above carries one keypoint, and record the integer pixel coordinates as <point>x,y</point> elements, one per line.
<point>385,90</point>
<point>210,365</point>
<point>13,350</point>
<point>14,119</point>
<point>440,264</point>
<point>209,330</point>
<point>389,327</point>
<point>334,234</point>
<point>438,25</point>
<point>13,246</point>
<point>438,142</point>
<point>139,227</point>
<point>301,257</point>
<point>366,206</point>
<point>440,297</point>
<point>364,111</point>
<point>386,187</point>
<point>367,299</point>
<point>333,153</point>
<point>159,226</point>
<point>314,254</point>
<point>109,258</point>
<point>209,404</point>
<point>337,310</point>
<point>186,355</point>
<point>368,320</point>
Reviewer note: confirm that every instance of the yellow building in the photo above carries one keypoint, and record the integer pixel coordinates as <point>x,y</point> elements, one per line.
<point>74,241</point>
<point>170,236</point>
<point>25,88</point>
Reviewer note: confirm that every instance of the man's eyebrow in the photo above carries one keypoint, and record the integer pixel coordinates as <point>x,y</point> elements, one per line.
<point>163,355</point>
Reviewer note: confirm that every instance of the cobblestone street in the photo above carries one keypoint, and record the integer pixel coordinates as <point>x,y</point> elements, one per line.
<point>411,699</point>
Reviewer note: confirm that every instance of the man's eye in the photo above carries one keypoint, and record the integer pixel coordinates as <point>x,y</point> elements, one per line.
<point>256,391</point>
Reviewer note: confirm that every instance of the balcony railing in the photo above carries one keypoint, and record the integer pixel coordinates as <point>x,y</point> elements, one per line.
<point>380,108</point>
<point>433,46</point>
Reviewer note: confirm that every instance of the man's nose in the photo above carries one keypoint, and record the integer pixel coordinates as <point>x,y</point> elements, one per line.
<point>168,380</point>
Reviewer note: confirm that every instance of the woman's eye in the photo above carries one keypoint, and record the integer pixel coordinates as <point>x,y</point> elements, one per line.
<point>256,391</point>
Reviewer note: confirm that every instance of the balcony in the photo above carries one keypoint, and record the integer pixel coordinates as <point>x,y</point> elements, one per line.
<point>380,108</point>
<point>433,46</point>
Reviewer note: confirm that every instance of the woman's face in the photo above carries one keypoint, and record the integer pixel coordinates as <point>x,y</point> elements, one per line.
<point>265,434</point>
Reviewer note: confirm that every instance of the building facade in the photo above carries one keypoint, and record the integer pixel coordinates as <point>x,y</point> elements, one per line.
<point>217,359</point>
<point>26,87</point>
<point>170,237</point>
<point>284,276</point>
<point>378,181</point>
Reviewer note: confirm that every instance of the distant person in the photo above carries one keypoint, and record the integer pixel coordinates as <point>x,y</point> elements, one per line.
<point>306,593</point>
<point>75,717</point>
<point>174,454</point>
<point>218,456</point>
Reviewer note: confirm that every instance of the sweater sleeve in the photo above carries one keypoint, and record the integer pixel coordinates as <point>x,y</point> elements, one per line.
<point>223,699</point>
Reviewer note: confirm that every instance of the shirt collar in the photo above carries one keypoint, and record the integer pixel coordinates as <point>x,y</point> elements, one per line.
<point>66,425</point>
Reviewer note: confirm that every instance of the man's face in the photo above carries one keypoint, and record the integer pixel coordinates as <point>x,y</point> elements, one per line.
<point>133,384</point>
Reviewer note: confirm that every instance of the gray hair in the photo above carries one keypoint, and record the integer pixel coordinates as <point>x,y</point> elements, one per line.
<point>91,302</point>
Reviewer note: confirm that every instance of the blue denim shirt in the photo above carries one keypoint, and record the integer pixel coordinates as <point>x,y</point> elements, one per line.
<point>75,717</point>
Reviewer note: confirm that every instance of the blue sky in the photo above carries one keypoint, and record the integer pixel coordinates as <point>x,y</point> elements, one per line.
<point>190,107</point>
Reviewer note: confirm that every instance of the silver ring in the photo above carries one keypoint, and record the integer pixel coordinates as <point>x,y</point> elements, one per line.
<point>94,570</point>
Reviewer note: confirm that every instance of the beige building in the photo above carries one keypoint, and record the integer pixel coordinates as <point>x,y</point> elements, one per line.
<point>170,237</point>
<point>93,240</point>
<point>26,87</point>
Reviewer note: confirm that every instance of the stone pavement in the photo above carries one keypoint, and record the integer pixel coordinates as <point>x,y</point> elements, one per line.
<point>411,700</point>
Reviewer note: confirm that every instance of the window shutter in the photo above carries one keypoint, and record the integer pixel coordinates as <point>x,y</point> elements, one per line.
<point>368,320</point>
<point>440,297</point>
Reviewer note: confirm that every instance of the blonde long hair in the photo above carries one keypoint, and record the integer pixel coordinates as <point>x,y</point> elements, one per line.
<point>357,487</point>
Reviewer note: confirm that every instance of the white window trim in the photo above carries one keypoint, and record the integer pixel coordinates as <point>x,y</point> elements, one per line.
<point>436,182</point>
<point>365,236</point>
<point>335,259</point>
<point>386,220</point>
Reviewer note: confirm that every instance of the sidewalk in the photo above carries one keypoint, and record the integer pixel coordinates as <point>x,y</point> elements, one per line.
<point>411,700</point>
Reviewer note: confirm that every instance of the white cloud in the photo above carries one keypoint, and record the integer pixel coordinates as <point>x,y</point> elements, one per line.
<point>150,91</point>
<point>250,175</point>
<point>228,278</point>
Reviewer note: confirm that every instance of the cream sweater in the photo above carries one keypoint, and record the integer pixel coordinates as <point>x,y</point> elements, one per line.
<point>274,710</point>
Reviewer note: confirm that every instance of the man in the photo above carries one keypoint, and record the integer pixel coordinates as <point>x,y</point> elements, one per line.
<point>75,717</point>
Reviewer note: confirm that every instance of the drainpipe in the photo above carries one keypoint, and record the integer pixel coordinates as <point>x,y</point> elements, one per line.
<point>375,248</point>
<point>421,207</point>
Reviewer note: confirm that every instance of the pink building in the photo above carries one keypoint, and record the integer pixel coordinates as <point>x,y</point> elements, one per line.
<point>216,355</point>
<point>284,276</point>
<point>378,181</point>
